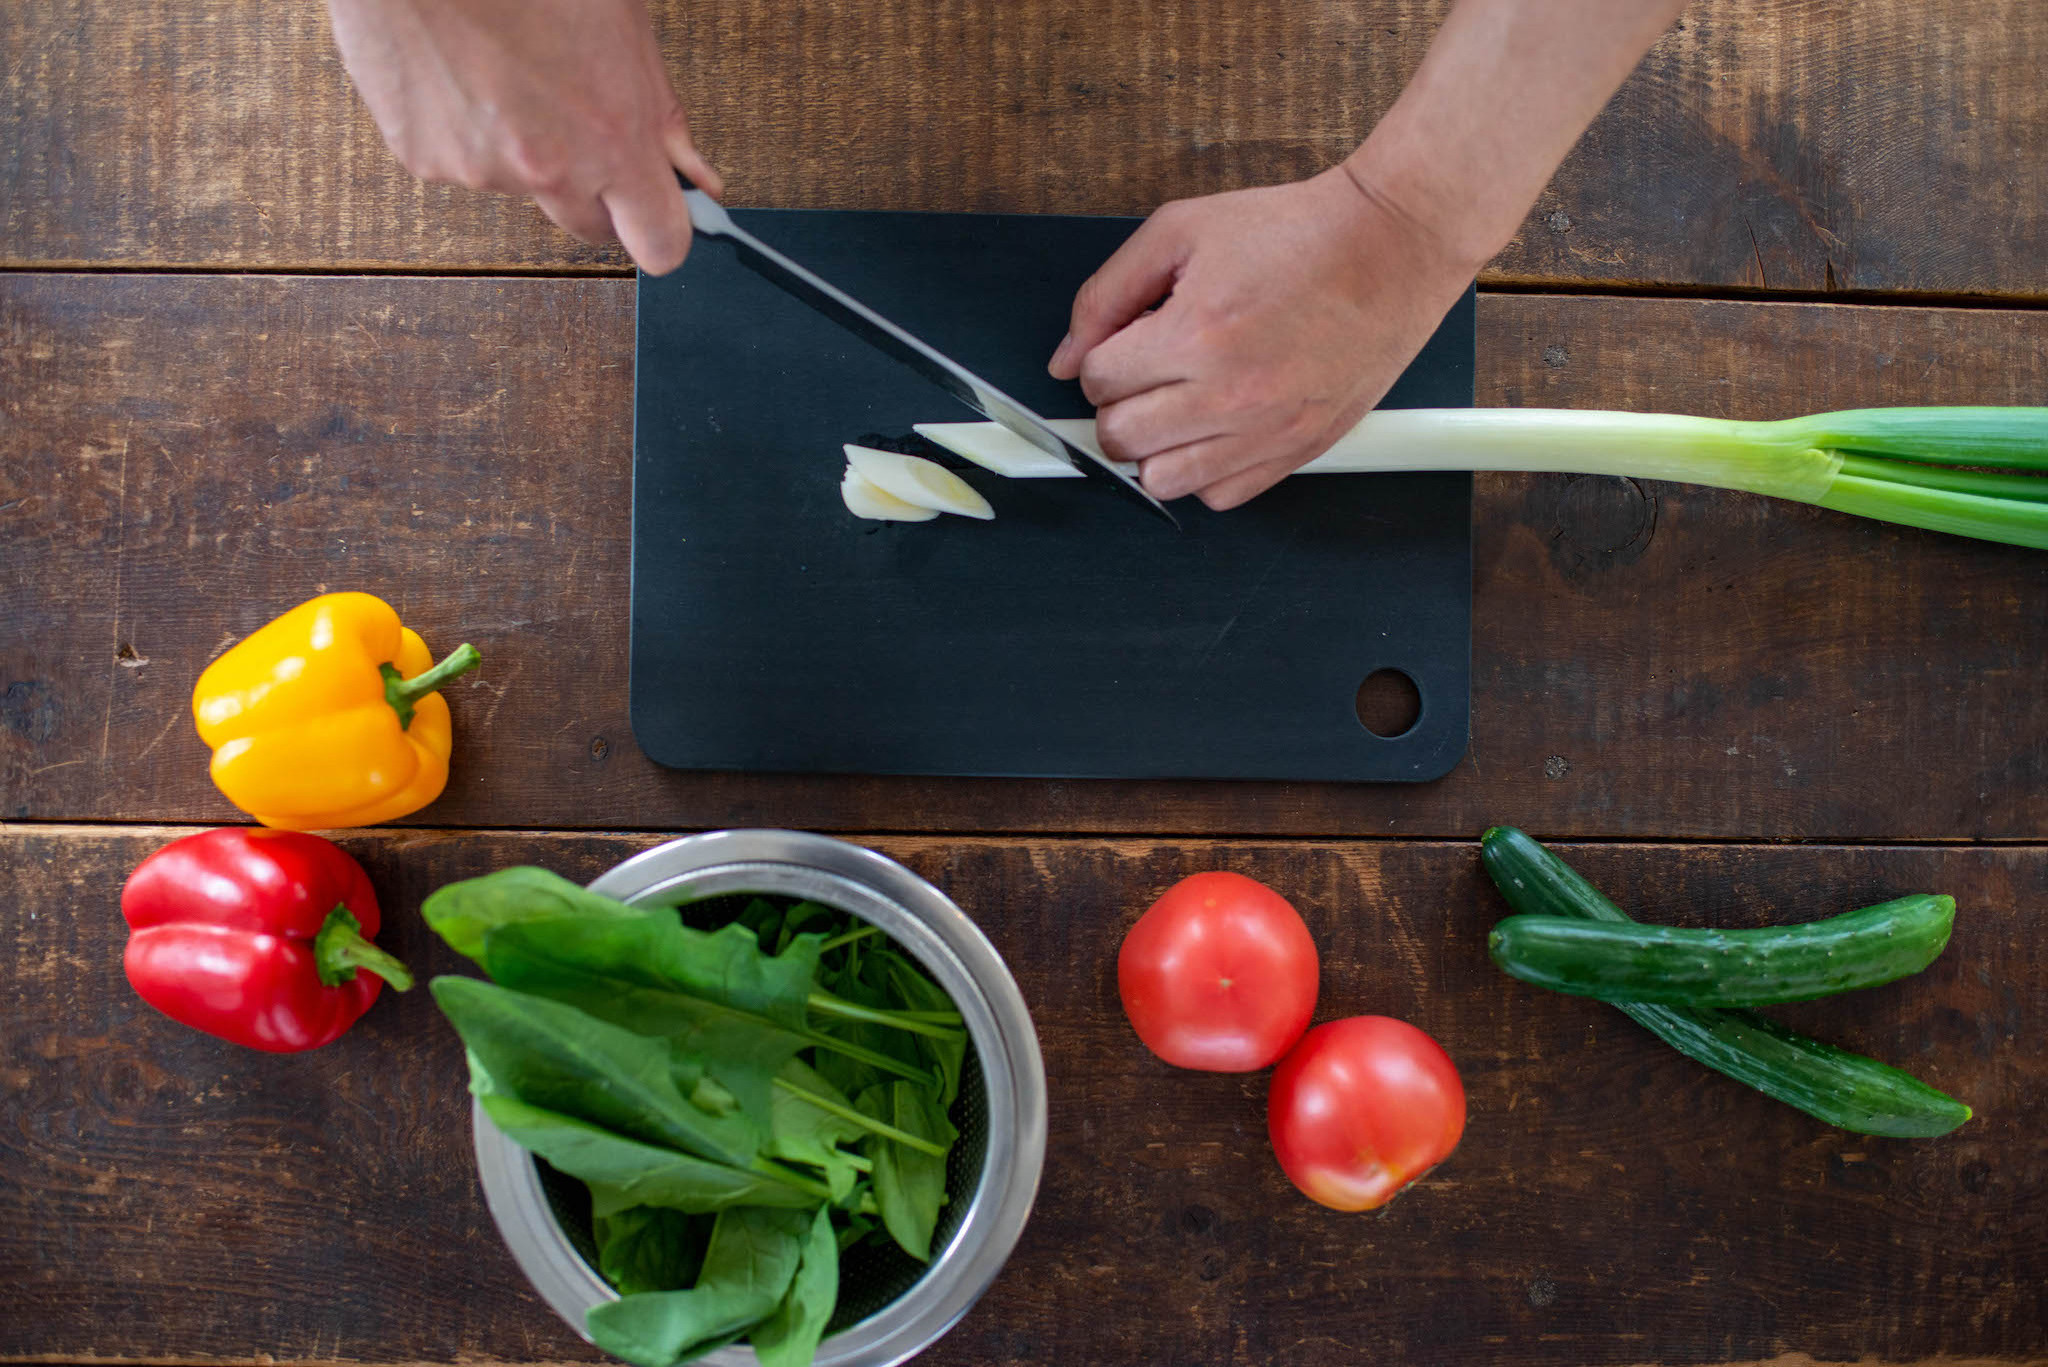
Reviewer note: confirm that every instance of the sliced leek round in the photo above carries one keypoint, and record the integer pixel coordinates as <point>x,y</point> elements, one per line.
<point>863,499</point>
<point>918,482</point>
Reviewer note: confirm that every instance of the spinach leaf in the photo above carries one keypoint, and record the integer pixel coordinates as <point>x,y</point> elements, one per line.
<point>804,1133</point>
<point>789,1337</point>
<point>909,1186</point>
<point>748,1266</point>
<point>652,949</point>
<point>864,983</point>
<point>461,913</point>
<point>555,1057</point>
<point>764,918</point>
<point>624,1172</point>
<point>917,992</point>
<point>598,968</point>
<point>822,920</point>
<point>644,1248</point>
<point>857,1228</point>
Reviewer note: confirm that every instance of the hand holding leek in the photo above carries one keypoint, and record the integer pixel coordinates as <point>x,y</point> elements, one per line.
<point>1235,336</point>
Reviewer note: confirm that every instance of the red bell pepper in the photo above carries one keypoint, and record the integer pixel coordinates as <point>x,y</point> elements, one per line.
<point>256,936</point>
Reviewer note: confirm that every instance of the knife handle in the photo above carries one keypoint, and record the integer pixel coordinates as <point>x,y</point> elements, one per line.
<point>707,215</point>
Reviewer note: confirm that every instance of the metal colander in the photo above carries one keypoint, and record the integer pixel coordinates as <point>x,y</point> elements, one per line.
<point>890,1306</point>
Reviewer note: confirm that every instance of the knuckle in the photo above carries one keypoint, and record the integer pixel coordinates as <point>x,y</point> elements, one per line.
<point>1094,386</point>
<point>1119,432</point>
<point>533,163</point>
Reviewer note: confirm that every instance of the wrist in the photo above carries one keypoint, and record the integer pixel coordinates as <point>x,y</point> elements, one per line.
<point>1464,224</point>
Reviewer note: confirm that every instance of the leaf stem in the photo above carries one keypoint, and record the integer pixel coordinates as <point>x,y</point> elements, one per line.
<point>768,1167</point>
<point>874,1058</point>
<point>824,1003</point>
<point>866,1122</point>
<point>849,937</point>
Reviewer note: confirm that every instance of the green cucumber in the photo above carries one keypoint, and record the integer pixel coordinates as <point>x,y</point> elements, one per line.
<point>1843,1089</point>
<point>1682,966</point>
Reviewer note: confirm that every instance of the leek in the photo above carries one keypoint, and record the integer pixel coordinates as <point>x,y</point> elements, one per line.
<point>1980,472</point>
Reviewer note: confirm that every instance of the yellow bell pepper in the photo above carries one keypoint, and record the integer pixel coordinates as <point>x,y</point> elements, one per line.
<point>328,716</point>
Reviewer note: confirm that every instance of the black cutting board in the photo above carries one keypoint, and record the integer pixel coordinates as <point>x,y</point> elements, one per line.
<point>1077,635</point>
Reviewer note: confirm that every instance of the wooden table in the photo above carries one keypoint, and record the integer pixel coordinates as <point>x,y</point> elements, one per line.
<point>244,358</point>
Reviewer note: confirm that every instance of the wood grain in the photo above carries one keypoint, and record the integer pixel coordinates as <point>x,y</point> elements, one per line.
<point>181,458</point>
<point>1791,145</point>
<point>173,1198</point>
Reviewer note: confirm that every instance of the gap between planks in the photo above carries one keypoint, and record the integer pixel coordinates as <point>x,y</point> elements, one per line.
<point>1502,285</point>
<point>90,829</point>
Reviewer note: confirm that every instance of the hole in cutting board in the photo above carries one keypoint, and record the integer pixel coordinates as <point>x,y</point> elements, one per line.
<point>1388,703</point>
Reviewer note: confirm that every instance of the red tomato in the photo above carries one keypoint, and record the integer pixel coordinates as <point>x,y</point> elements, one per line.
<point>1220,974</point>
<point>1361,1108</point>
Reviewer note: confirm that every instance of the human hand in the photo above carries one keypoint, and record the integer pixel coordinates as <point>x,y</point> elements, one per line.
<point>564,100</point>
<point>1288,313</point>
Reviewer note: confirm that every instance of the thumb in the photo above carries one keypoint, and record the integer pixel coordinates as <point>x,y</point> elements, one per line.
<point>1137,276</point>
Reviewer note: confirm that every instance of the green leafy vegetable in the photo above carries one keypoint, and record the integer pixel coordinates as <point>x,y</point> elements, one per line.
<point>462,913</point>
<point>789,1337</point>
<point>717,994</point>
<point>870,1051</point>
<point>603,969</point>
<point>634,1173</point>
<point>699,1083</point>
<point>805,1132</point>
<point>910,1186</point>
<point>748,1266</point>
<point>646,1248</point>
<point>918,992</point>
<point>559,1059</point>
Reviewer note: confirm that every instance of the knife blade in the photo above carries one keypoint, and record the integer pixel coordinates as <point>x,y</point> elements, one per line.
<point>709,217</point>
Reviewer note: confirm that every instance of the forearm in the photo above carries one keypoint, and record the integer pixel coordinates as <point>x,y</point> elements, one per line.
<point>1505,90</point>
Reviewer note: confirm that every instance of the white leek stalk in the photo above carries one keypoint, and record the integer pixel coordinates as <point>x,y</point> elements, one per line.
<point>1947,469</point>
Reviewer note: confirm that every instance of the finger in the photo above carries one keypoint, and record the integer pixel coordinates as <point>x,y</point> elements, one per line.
<point>1200,464</point>
<point>1141,356</point>
<point>583,217</point>
<point>652,219</point>
<point>1246,485</point>
<point>683,153</point>
<point>1136,276</point>
<point>1158,420</point>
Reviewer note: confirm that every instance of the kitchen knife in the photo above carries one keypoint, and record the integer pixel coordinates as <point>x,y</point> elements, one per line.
<point>709,217</point>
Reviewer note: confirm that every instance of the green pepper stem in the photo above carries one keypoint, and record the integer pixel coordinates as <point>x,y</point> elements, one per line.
<point>340,949</point>
<point>402,692</point>
<point>866,1122</point>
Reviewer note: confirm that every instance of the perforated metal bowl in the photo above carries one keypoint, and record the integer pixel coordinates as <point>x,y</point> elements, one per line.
<point>890,1306</point>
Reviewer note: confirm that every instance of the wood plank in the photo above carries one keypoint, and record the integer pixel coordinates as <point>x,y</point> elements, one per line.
<point>181,458</point>
<point>1782,147</point>
<point>1610,1202</point>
